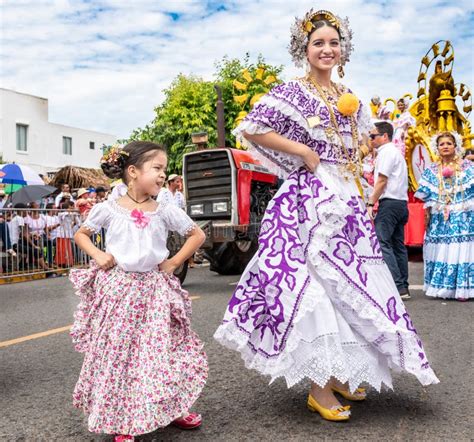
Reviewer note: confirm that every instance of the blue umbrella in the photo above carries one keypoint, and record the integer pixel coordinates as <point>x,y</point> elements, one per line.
<point>17,175</point>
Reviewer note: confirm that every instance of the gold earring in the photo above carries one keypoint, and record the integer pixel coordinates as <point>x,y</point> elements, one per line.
<point>340,71</point>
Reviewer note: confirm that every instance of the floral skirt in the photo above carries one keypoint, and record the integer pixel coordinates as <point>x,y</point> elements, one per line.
<point>143,365</point>
<point>317,299</point>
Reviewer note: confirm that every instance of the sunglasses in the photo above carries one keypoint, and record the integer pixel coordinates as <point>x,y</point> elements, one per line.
<point>372,136</point>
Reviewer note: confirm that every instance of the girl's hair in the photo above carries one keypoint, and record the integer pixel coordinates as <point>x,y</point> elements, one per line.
<point>135,154</point>
<point>66,204</point>
<point>318,24</point>
<point>446,135</point>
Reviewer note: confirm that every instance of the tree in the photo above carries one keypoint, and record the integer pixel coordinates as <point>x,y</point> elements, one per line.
<point>242,83</point>
<point>190,106</point>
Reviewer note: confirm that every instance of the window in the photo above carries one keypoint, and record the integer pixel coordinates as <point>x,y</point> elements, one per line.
<point>91,145</point>
<point>22,137</point>
<point>67,145</point>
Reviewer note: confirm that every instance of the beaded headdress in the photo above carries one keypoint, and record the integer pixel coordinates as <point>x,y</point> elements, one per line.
<point>301,30</point>
<point>457,138</point>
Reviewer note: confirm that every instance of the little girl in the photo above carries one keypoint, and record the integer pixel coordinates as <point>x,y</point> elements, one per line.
<point>144,367</point>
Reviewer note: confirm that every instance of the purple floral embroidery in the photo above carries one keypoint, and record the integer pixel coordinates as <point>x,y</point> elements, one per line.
<point>392,310</point>
<point>297,253</point>
<point>409,323</point>
<point>277,246</point>
<point>301,210</point>
<point>362,272</point>
<point>344,253</point>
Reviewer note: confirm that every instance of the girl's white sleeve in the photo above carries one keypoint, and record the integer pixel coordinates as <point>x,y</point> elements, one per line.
<point>98,218</point>
<point>177,220</point>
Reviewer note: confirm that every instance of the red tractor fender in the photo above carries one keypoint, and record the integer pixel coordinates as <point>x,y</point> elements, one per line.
<point>247,172</point>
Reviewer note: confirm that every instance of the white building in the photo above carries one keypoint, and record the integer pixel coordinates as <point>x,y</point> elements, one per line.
<point>27,137</point>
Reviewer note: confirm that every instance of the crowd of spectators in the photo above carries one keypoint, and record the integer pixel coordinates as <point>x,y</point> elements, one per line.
<point>40,235</point>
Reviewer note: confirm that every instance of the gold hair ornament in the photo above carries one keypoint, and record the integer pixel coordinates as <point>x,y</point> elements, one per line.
<point>302,28</point>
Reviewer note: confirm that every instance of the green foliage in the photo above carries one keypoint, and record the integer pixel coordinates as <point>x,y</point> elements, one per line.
<point>190,106</point>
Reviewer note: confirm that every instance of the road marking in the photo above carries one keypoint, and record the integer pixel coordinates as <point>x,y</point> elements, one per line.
<point>233,283</point>
<point>35,336</point>
<point>47,333</point>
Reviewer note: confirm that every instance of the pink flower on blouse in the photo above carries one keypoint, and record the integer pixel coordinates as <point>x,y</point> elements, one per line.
<point>141,220</point>
<point>448,172</point>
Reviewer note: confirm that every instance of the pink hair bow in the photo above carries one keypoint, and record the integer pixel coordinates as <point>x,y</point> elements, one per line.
<point>141,220</point>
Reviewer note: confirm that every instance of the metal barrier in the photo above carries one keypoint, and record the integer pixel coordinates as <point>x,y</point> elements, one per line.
<point>39,243</point>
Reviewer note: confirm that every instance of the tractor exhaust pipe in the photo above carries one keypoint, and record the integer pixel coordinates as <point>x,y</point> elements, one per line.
<point>220,117</point>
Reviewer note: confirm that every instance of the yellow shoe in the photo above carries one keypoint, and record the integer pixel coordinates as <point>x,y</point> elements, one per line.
<point>358,395</point>
<point>331,414</point>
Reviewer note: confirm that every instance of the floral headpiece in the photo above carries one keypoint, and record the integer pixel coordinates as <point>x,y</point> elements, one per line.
<point>457,138</point>
<point>114,156</point>
<point>301,29</point>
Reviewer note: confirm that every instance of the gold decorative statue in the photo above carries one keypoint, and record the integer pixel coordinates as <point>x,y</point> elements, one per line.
<point>436,109</point>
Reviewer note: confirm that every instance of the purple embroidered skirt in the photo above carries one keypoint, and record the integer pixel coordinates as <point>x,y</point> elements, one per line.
<point>317,300</point>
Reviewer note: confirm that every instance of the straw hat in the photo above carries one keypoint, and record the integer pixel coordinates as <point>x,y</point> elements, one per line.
<point>81,192</point>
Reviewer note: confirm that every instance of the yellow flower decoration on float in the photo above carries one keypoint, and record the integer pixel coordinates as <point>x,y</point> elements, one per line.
<point>348,104</point>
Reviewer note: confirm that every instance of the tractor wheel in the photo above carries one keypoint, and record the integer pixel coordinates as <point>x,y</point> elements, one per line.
<point>231,258</point>
<point>173,244</point>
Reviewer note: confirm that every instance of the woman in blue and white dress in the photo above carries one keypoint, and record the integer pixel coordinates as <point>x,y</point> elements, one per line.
<point>447,188</point>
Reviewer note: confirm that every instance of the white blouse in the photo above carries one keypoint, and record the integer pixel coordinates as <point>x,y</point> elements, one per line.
<point>137,247</point>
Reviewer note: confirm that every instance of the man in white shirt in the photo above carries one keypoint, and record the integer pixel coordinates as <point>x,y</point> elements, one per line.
<point>172,194</point>
<point>17,223</point>
<point>390,189</point>
<point>65,192</point>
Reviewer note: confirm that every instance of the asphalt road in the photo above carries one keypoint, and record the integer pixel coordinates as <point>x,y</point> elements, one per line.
<point>37,376</point>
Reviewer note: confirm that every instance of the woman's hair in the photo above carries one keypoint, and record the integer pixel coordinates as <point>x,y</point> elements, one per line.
<point>446,135</point>
<point>318,24</point>
<point>135,154</point>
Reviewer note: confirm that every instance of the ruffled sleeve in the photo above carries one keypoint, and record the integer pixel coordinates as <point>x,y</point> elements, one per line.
<point>277,111</point>
<point>364,122</point>
<point>428,188</point>
<point>176,219</point>
<point>99,217</point>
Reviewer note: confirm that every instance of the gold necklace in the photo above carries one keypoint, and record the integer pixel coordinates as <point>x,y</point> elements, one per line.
<point>354,162</point>
<point>449,186</point>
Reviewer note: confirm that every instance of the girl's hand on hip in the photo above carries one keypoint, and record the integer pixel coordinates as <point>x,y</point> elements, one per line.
<point>168,266</point>
<point>311,159</point>
<point>105,260</point>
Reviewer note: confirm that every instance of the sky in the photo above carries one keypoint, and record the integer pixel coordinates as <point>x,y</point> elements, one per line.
<point>103,64</point>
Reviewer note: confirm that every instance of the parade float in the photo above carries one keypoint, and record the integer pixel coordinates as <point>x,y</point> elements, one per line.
<point>440,105</point>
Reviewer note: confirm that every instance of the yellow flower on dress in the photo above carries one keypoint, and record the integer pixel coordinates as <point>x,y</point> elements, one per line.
<point>348,104</point>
